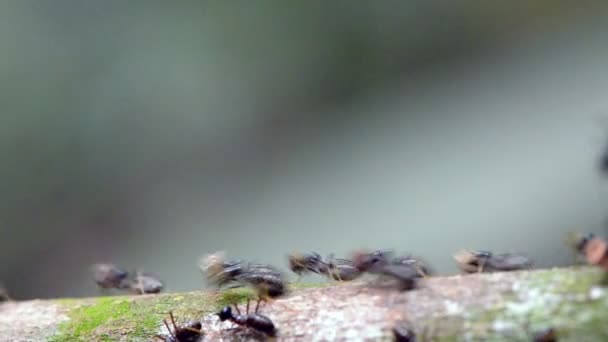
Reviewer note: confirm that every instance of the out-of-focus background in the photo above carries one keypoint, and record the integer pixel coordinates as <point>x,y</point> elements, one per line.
<point>149,133</point>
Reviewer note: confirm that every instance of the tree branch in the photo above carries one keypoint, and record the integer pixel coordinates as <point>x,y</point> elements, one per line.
<point>500,306</point>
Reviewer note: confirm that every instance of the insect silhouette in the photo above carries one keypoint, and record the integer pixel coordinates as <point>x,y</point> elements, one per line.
<point>485,261</point>
<point>255,321</point>
<point>144,283</point>
<point>595,250</point>
<point>190,333</point>
<point>423,268</point>
<point>266,280</point>
<point>379,263</point>
<point>333,268</point>
<point>218,271</point>
<point>340,269</point>
<point>305,263</point>
<point>109,276</point>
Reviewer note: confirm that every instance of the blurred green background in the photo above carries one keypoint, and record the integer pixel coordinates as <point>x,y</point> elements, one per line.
<point>148,133</point>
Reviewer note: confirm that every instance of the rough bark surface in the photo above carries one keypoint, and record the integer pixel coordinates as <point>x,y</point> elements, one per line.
<point>508,306</point>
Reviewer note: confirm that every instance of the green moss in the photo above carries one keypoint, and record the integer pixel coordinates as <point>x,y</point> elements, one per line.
<point>87,319</point>
<point>548,299</point>
<point>139,318</point>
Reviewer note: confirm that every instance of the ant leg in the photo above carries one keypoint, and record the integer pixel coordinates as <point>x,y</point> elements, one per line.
<point>140,284</point>
<point>420,271</point>
<point>168,328</point>
<point>481,266</point>
<point>338,275</point>
<point>247,311</point>
<point>236,308</point>
<point>332,275</point>
<point>257,306</point>
<point>172,320</point>
<point>162,338</point>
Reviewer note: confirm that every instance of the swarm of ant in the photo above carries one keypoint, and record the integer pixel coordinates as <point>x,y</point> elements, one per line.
<point>268,282</point>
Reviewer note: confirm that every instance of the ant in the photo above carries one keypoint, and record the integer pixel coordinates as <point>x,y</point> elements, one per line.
<point>109,276</point>
<point>305,263</point>
<point>421,267</point>
<point>145,283</point>
<point>485,261</point>
<point>189,333</point>
<point>340,269</point>
<point>257,322</point>
<point>386,257</point>
<point>379,263</point>
<point>595,250</point>
<point>219,271</point>
<point>336,269</point>
<point>268,281</point>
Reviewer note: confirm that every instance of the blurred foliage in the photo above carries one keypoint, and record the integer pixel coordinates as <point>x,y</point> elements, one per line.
<point>102,99</point>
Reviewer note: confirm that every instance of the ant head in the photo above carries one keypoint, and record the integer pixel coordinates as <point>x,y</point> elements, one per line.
<point>369,261</point>
<point>314,256</point>
<point>582,243</point>
<point>225,314</point>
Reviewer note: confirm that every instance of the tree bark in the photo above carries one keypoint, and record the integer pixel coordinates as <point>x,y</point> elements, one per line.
<point>508,306</point>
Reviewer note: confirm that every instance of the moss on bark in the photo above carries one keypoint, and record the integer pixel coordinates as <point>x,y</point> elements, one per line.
<point>490,307</point>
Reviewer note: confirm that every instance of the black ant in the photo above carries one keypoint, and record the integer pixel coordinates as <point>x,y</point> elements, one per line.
<point>257,322</point>
<point>265,279</point>
<point>484,261</point>
<point>423,269</point>
<point>189,333</point>
<point>218,271</point>
<point>305,263</point>
<point>336,269</point>
<point>379,263</point>
<point>340,269</point>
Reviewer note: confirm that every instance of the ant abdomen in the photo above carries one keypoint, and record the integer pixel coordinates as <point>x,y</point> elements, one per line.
<point>257,322</point>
